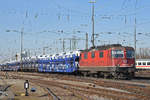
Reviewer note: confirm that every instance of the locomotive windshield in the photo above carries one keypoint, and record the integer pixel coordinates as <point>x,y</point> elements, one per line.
<point>130,54</point>
<point>117,53</point>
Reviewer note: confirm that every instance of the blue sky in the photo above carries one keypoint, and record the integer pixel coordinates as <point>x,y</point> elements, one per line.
<point>39,16</point>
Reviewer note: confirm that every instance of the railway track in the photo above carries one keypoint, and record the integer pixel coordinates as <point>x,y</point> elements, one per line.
<point>5,91</point>
<point>86,88</point>
<point>55,97</point>
<point>54,91</point>
<point>79,91</point>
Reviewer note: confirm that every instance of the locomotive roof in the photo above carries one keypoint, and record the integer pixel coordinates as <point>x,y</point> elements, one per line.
<point>104,47</point>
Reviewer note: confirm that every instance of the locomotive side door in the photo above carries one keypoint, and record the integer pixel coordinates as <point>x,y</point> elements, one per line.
<point>109,58</point>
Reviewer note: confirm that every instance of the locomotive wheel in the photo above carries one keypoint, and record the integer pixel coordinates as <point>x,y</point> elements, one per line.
<point>115,75</point>
<point>120,76</point>
<point>105,75</point>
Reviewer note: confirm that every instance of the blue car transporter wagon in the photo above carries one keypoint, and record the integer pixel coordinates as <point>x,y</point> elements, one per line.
<point>67,64</point>
<point>64,62</point>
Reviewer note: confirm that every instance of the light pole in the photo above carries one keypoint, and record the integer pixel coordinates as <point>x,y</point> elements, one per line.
<point>44,50</point>
<point>86,38</point>
<point>135,38</point>
<point>93,40</point>
<point>63,44</point>
<point>135,30</point>
<point>21,48</point>
<point>21,44</point>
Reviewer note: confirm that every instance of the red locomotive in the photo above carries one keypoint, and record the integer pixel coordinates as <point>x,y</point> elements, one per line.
<point>108,61</point>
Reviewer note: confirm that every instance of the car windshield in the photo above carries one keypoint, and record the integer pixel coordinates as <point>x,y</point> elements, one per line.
<point>117,54</point>
<point>130,54</point>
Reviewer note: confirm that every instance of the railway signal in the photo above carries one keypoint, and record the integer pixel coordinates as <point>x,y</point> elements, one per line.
<point>26,87</point>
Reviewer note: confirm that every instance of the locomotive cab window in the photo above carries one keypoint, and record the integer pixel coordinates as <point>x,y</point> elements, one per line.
<point>130,53</point>
<point>85,55</point>
<point>101,54</point>
<point>93,55</point>
<point>117,53</point>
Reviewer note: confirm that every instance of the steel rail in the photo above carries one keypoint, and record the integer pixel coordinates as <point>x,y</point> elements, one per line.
<point>55,97</point>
